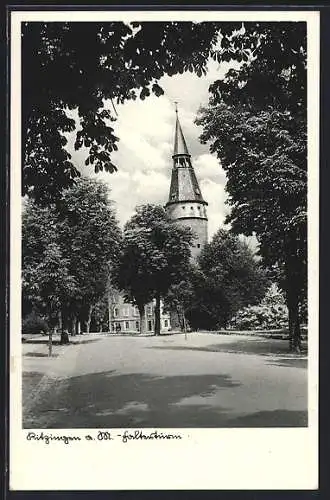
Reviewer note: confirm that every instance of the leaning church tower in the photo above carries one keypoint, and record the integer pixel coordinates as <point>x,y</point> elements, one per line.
<point>185,203</point>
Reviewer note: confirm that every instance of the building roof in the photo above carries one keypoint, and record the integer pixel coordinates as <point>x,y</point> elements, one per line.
<point>180,146</point>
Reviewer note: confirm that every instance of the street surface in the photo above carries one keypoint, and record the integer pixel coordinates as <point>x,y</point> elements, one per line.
<point>206,380</point>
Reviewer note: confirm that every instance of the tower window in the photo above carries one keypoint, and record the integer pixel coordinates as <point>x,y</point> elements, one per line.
<point>198,245</point>
<point>183,207</point>
<point>191,208</point>
<point>199,207</point>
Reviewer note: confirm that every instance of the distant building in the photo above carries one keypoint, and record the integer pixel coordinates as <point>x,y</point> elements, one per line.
<point>185,205</point>
<point>125,317</point>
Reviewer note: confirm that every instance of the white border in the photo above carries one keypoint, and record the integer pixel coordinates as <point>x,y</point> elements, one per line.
<point>205,458</point>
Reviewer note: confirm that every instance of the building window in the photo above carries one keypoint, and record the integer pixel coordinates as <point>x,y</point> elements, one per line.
<point>165,323</point>
<point>191,208</point>
<point>115,311</point>
<point>149,310</point>
<point>137,325</point>
<point>183,208</point>
<point>125,311</point>
<point>198,245</point>
<point>199,208</point>
<point>149,325</point>
<point>127,325</point>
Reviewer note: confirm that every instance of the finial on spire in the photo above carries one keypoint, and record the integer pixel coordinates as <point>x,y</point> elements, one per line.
<point>176,106</point>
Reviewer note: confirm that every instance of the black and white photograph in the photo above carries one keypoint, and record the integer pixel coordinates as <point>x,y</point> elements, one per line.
<point>163,262</point>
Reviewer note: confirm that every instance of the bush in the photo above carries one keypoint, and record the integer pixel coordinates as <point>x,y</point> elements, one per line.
<point>270,314</point>
<point>33,323</point>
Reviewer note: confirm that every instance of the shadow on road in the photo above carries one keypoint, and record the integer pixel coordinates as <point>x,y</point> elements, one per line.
<point>256,346</point>
<point>31,380</point>
<point>274,418</point>
<point>289,362</point>
<point>39,355</point>
<point>108,400</point>
<point>73,341</point>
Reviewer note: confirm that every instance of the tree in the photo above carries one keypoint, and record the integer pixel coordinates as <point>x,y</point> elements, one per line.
<point>270,313</point>
<point>86,67</point>
<point>256,124</point>
<point>181,297</point>
<point>156,253</point>
<point>68,252</point>
<point>178,299</point>
<point>46,281</point>
<point>229,278</point>
<point>90,238</point>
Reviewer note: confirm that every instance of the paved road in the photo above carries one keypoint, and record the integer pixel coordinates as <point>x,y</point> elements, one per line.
<point>205,381</point>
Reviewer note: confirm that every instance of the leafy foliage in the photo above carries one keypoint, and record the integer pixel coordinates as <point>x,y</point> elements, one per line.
<point>90,238</point>
<point>271,313</point>
<point>33,323</point>
<point>256,124</point>
<point>229,278</point>
<point>67,253</point>
<point>46,282</point>
<point>180,297</point>
<point>85,66</point>
<point>155,255</point>
<point>271,71</point>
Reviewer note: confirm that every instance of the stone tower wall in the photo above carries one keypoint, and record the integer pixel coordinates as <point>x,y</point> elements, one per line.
<point>195,218</point>
<point>199,228</point>
<point>186,209</point>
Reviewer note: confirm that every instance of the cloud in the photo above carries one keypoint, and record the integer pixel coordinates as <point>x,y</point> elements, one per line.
<point>214,194</point>
<point>208,166</point>
<point>144,156</point>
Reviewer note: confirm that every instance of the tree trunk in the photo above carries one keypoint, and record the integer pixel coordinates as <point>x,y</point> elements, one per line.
<point>294,327</point>
<point>184,324</point>
<point>157,315</point>
<point>60,321</point>
<point>89,319</point>
<point>110,311</point>
<point>179,318</point>
<point>50,343</point>
<point>176,319</point>
<point>142,312</point>
<point>294,284</point>
<point>73,325</point>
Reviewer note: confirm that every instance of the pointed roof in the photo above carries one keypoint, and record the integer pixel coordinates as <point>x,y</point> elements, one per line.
<point>184,184</point>
<point>180,146</point>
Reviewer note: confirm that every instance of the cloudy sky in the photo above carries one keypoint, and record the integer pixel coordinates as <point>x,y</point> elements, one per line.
<point>144,156</point>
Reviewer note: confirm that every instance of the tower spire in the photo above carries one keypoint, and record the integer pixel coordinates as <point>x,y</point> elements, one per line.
<point>184,184</point>
<point>180,146</point>
<point>185,203</point>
